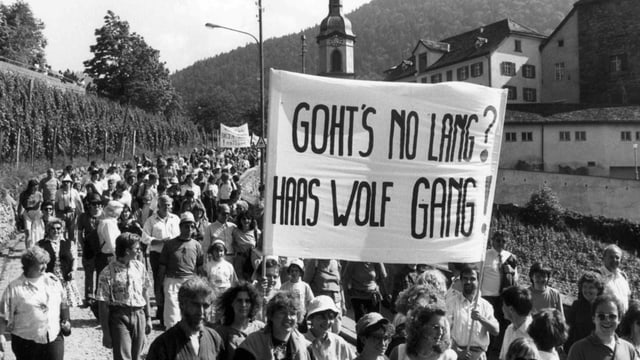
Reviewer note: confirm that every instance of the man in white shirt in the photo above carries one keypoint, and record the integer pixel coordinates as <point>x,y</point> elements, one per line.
<point>471,323</point>
<point>516,306</point>
<point>221,229</point>
<point>160,227</point>
<point>615,280</point>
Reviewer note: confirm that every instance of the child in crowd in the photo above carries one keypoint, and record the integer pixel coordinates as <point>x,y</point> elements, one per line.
<point>542,295</point>
<point>322,312</point>
<point>298,287</point>
<point>220,272</point>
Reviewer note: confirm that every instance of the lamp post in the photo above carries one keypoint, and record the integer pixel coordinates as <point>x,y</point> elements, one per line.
<point>303,50</point>
<point>635,160</point>
<point>259,42</point>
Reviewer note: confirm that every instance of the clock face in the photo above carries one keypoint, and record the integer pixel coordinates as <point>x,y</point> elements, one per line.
<point>336,41</point>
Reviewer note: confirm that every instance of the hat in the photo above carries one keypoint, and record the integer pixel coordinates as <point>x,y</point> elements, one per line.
<point>321,303</point>
<point>186,217</point>
<point>113,208</point>
<point>297,262</point>
<point>368,320</point>
<point>94,198</point>
<point>67,178</point>
<point>174,180</point>
<point>218,242</point>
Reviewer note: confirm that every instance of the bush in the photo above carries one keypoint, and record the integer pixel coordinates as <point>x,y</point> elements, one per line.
<point>544,208</point>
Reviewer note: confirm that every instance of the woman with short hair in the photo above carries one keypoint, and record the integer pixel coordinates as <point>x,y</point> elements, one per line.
<point>579,319</point>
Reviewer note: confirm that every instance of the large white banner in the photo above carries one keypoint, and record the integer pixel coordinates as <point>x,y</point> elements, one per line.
<point>380,171</point>
<point>234,137</point>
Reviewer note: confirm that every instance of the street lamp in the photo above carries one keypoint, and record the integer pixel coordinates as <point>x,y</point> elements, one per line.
<point>259,42</point>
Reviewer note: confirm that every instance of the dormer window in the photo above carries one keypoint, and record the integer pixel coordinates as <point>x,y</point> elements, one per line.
<point>480,41</point>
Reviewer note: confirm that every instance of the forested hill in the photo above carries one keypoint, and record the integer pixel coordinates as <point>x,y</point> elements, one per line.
<point>386,30</point>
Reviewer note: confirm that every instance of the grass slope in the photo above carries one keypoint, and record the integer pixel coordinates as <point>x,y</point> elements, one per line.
<point>569,253</point>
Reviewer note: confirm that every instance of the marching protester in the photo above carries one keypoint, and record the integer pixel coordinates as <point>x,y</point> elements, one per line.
<point>374,334</point>
<point>190,338</point>
<point>427,336</point>
<point>615,280</point>
<point>68,204</point>
<point>124,301</point>
<point>295,270</point>
<point>158,229</point>
<point>246,237</point>
<point>236,311</point>
<point>280,337</point>
<point>181,259</point>
<point>542,295</point>
<point>29,210</point>
<point>219,271</point>
<point>49,185</point>
<point>34,310</point>
<point>517,309</point>
<point>89,241</point>
<point>323,276</point>
<point>108,232</point>
<point>579,316</point>
<point>604,343</point>
<point>364,284</point>
<point>326,345</point>
<point>465,314</point>
<point>221,229</point>
<point>523,348</point>
<point>62,260</point>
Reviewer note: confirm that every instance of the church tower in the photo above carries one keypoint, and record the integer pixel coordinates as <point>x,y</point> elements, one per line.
<point>335,44</point>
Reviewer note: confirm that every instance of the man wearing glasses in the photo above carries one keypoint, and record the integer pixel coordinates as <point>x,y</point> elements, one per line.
<point>124,301</point>
<point>181,259</point>
<point>221,229</point>
<point>158,229</point>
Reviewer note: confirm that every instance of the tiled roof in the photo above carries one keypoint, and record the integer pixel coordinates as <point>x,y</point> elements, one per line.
<point>463,46</point>
<point>622,114</point>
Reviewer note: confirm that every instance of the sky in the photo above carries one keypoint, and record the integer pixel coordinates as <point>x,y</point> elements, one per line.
<point>174,27</point>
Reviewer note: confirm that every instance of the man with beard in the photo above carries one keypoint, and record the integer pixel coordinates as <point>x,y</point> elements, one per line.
<point>464,315</point>
<point>427,336</point>
<point>190,338</point>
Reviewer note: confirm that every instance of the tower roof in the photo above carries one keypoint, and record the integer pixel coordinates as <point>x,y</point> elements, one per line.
<point>335,23</point>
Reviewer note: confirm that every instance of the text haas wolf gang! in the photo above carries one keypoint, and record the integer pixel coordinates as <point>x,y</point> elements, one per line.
<point>294,201</point>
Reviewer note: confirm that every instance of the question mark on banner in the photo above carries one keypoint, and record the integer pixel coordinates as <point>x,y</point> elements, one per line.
<point>484,155</point>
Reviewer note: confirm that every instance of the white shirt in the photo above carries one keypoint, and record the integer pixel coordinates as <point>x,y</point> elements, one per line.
<point>459,314</point>
<point>512,333</point>
<point>616,285</point>
<point>492,272</point>
<point>108,231</point>
<point>157,228</point>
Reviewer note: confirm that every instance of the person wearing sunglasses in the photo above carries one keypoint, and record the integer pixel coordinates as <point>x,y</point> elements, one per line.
<point>604,343</point>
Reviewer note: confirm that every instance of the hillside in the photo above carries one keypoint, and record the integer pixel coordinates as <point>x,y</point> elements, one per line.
<point>224,87</point>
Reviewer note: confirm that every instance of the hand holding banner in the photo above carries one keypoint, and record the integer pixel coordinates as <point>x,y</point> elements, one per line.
<point>379,171</point>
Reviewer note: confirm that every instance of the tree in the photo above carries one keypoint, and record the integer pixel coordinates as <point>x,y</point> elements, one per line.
<point>21,37</point>
<point>544,208</point>
<point>125,69</point>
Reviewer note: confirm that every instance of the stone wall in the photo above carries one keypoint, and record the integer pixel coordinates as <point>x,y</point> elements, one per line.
<point>601,196</point>
<point>609,28</point>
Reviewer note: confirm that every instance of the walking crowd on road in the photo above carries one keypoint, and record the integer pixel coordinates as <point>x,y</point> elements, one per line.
<point>176,243</point>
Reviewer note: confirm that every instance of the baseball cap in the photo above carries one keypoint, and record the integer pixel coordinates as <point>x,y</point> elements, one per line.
<point>368,320</point>
<point>187,216</point>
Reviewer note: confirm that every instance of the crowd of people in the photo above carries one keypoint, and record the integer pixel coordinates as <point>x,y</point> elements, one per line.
<point>178,230</point>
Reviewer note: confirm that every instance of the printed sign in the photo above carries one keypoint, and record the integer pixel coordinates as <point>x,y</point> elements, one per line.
<point>380,171</point>
<point>234,137</point>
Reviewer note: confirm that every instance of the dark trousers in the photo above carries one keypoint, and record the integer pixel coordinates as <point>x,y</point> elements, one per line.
<point>102,260</point>
<point>364,306</point>
<point>30,350</point>
<point>126,327</point>
<point>496,341</point>
<point>89,266</point>
<point>154,260</point>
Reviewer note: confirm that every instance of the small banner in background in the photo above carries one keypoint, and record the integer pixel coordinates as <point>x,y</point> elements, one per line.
<point>234,137</point>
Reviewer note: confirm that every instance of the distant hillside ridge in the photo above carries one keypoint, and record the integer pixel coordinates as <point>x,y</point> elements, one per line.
<point>386,32</point>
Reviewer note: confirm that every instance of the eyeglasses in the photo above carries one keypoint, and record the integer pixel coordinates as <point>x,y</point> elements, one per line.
<point>610,317</point>
<point>56,228</point>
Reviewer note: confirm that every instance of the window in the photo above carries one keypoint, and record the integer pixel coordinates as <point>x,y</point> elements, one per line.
<point>618,63</point>
<point>449,75</point>
<point>529,71</point>
<point>527,136</point>
<point>591,163</point>
<point>581,136</point>
<point>476,69</point>
<point>510,137</point>
<point>513,94</point>
<point>625,135</point>
<point>529,94</point>
<point>463,73</point>
<point>336,61</point>
<point>565,135</point>
<point>518,46</point>
<point>436,78</point>
<point>423,80</point>
<point>422,62</point>
<point>507,68</point>
<point>637,135</point>
<point>561,43</point>
<point>560,71</point>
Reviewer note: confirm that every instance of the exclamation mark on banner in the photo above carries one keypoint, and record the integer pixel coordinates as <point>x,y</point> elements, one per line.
<point>487,190</point>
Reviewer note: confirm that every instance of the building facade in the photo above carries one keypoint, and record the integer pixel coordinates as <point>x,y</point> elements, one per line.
<point>336,43</point>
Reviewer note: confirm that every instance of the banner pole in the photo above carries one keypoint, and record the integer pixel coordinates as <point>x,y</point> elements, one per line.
<point>477,296</point>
